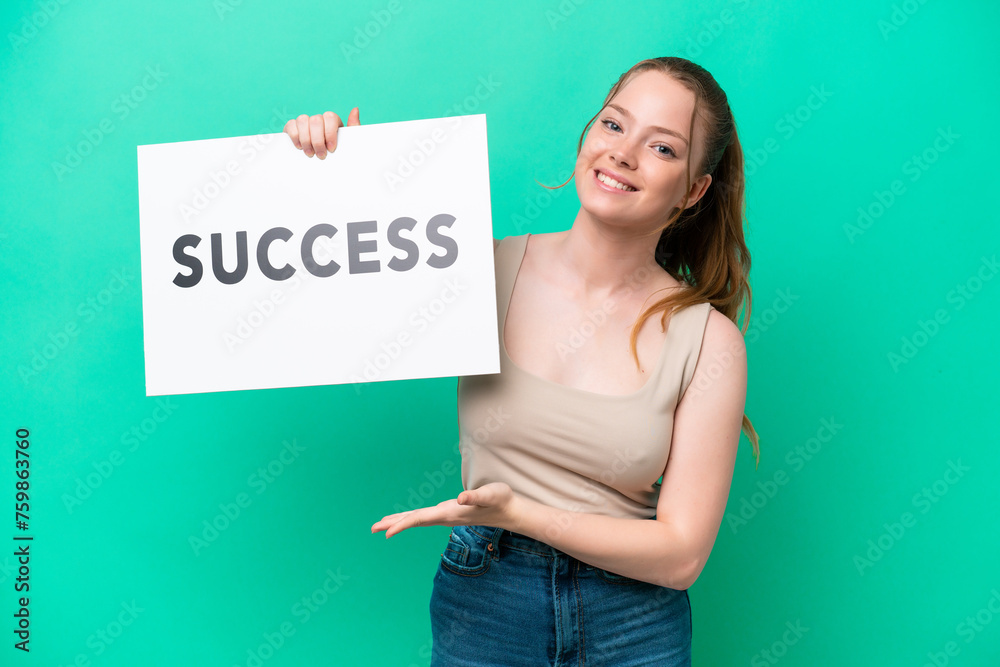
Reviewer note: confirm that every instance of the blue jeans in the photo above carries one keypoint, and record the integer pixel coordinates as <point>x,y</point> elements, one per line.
<point>505,599</point>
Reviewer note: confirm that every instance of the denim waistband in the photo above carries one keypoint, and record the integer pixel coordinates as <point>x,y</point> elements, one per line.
<point>498,536</point>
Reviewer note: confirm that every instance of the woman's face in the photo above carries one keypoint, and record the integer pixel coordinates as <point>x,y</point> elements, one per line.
<point>632,166</point>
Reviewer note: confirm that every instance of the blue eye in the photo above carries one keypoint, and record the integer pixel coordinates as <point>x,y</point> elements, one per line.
<point>615,127</point>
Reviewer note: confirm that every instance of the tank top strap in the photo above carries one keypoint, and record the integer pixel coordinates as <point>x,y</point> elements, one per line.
<point>507,259</point>
<point>689,338</point>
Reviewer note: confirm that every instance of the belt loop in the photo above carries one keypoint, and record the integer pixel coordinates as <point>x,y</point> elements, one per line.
<point>494,545</point>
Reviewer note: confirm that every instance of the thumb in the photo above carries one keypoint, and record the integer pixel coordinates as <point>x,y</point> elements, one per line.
<point>354,118</point>
<point>472,497</point>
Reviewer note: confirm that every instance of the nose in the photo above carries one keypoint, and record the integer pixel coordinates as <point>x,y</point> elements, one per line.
<point>619,161</point>
<point>623,155</point>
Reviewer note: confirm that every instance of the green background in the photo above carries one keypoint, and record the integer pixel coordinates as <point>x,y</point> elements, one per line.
<point>833,301</point>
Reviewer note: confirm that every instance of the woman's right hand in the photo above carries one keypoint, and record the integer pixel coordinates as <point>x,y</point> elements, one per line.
<point>317,135</point>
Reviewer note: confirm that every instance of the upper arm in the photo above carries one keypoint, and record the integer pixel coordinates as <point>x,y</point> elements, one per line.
<point>706,435</point>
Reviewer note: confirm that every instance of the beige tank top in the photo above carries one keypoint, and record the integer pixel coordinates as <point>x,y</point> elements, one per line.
<point>571,448</point>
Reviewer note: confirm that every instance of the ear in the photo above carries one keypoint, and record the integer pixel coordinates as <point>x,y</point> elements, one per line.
<point>698,189</point>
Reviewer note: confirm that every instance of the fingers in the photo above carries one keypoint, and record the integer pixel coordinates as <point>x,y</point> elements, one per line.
<point>401,525</point>
<point>331,122</point>
<point>391,527</point>
<point>305,142</point>
<point>292,130</point>
<point>317,135</point>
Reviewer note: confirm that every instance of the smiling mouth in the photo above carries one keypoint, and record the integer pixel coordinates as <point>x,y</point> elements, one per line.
<point>610,182</point>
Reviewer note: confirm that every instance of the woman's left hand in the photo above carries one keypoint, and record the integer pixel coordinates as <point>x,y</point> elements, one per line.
<point>493,504</point>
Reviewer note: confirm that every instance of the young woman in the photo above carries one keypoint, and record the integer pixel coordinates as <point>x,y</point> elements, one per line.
<point>566,547</point>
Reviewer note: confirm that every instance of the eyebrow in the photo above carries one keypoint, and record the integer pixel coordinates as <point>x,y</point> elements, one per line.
<point>664,130</point>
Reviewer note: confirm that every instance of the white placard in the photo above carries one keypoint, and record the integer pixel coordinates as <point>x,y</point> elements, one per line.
<point>373,264</point>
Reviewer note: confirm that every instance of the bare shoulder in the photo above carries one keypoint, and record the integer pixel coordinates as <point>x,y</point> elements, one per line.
<point>723,357</point>
<point>722,332</point>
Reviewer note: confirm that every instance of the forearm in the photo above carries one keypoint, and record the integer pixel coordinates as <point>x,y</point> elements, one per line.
<point>643,549</point>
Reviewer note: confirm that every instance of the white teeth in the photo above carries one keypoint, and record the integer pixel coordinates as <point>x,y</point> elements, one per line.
<point>613,183</point>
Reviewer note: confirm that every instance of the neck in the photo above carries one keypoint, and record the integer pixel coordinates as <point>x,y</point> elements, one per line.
<point>603,261</point>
